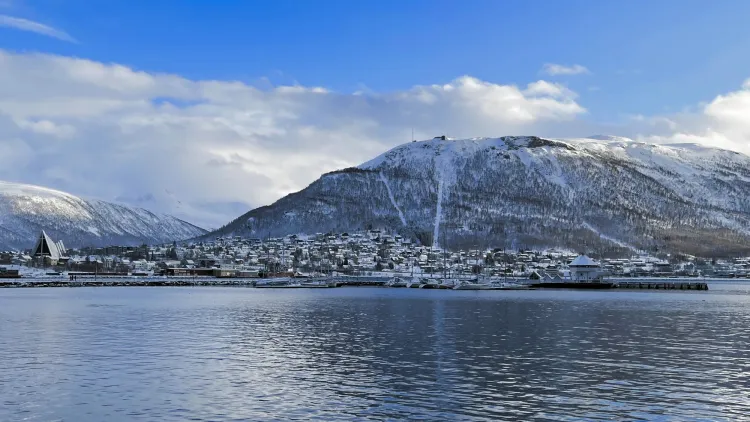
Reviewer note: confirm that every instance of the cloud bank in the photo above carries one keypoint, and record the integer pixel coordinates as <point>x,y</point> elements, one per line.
<point>31,26</point>
<point>209,150</point>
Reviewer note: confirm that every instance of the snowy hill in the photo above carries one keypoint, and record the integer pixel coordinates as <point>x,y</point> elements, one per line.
<point>599,192</point>
<point>25,210</point>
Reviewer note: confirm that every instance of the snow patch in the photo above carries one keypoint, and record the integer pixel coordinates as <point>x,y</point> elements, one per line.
<point>393,200</point>
<point>438,215</point>
<point>609,238</point>
<point>28,209</point>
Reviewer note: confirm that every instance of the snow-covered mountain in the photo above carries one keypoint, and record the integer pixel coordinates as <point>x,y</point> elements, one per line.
<point>25,210</point>
<point>513,192</point>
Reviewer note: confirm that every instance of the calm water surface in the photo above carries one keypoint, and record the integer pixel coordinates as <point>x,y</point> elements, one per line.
<point>149,353</point>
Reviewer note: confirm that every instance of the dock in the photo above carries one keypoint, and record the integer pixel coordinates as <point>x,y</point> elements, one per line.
<point>573,285</point>
<point>661,285</point>
<point>625,284</point>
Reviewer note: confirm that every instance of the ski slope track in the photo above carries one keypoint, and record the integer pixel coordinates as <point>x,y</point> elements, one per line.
<point>438,215</point>
<point>393,200</point>
<point>26,210</point>
<point>599,193</point>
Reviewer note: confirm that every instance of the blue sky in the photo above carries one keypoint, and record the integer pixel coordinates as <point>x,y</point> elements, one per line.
<point>205,109</point>
<point>642,54</point>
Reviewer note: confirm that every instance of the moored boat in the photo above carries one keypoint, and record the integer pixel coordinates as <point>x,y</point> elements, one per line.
<point>448,283</point>
<point>505,285</point>
<point>414,283</point>
<point>397,282</point>
<point>429,284</point>
<point>466,285</point>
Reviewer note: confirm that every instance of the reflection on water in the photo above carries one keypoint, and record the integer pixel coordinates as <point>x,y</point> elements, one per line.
<point>366,353</point>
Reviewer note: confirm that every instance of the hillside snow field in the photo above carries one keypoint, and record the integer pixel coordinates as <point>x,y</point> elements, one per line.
<point>593,193</point>
<point>25,210</point>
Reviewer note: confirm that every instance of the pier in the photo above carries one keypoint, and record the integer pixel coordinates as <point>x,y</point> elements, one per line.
<point>648,284</point>
<point>661,285</point>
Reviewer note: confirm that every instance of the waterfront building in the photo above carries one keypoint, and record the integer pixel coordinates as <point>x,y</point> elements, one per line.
<point>583,269</point>
<point>48,251</point>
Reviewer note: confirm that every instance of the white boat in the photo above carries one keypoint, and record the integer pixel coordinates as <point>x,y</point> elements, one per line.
<point>296,285</point>
<point>507,285</point>
<point>448,283</point>
<point>397,282</point>
<point>465,285</point>
<point>429,284</point>
<point>273,282</point>
<point>414,283</point>
<point>316,283</point>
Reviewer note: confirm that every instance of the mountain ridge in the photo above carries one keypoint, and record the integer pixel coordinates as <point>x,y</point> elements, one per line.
<point>26,209</point>
<point>528,191</point>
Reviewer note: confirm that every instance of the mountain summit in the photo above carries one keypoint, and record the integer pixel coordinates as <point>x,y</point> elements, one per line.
<point>527,191</point>
<point>26,210</point>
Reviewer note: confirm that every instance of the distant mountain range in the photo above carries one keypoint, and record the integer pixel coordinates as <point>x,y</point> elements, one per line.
<point>26,210</point>
<point>594,193</point>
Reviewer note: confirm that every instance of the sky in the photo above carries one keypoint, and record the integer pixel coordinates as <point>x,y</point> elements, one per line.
<point>207,109</point>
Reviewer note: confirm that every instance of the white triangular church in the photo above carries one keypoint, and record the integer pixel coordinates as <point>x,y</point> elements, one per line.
<point>47,248</point>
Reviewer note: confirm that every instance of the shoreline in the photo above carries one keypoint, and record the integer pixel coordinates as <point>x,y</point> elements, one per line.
<point>110,281</point>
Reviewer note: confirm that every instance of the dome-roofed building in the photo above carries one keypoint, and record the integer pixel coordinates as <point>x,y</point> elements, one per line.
<point>583,268</point>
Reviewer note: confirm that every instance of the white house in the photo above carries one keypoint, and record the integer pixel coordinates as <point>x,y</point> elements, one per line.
<point>584,268</point>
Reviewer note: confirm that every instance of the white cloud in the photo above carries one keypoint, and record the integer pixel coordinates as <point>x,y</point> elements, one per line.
<point>553,69</point>
<point>209,150</point>
<point>550,89</point>
<point>31,26</point>
<point>203,149</point>
<point>46,127</point>
<point>720,123</point>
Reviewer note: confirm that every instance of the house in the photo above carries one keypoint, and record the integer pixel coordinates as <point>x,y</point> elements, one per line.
<point>6,258</point>
<point>583,269</point>
<point>224,272</point>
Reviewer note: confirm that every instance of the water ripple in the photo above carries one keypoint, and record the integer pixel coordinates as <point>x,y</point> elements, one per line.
<point>373,354</point>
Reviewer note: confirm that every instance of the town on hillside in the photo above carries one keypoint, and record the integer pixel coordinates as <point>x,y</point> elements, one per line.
<point>368,253</point>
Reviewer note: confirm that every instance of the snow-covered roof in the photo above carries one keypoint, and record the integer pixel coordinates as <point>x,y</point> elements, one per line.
<point>584,261</point>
